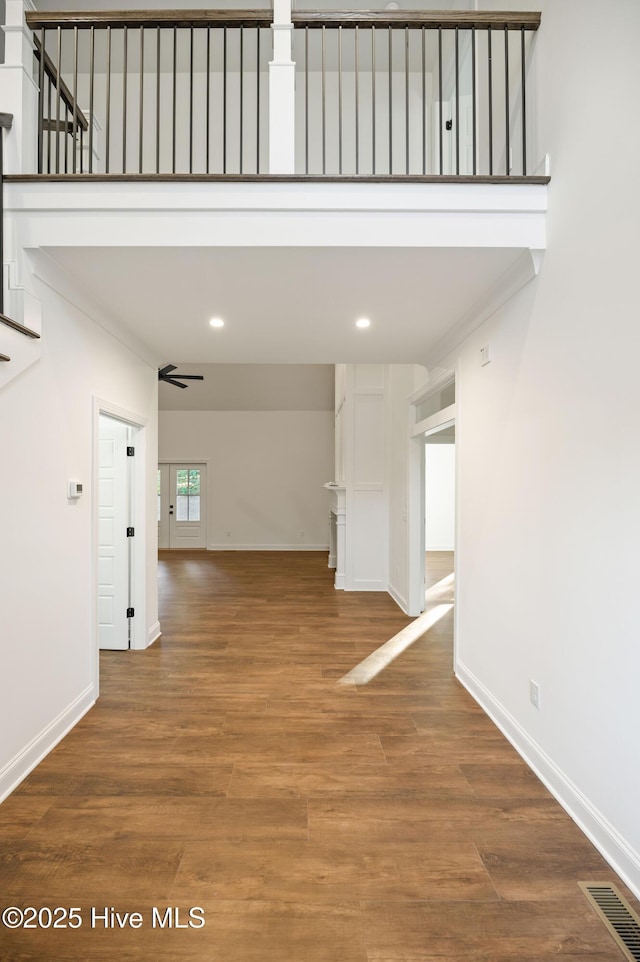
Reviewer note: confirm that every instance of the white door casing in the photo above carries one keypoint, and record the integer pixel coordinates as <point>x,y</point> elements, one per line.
<point>113,544</point>
<point>163,505</point>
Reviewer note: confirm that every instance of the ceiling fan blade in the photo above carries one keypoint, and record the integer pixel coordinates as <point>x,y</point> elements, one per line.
<point>170,380</point>
<point>190,377</point>
<point>166,370</point>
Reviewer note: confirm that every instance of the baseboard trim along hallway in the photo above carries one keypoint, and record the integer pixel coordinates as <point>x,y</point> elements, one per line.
<point>20,766</point>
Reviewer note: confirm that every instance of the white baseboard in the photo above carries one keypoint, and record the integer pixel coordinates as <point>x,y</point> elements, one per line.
<point>440,547</point>
<point>618,853</point>
<point>399,599</point>
<point>19,767</point>
<point>366,586</point>
<point>268,547</point>
<point>154,633</point>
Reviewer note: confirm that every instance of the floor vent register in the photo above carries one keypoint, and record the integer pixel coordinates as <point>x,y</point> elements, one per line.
<point>618,916</point>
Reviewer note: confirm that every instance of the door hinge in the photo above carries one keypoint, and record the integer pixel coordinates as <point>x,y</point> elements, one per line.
<point>131,532</point>
<point>130,452</point>
<point>131,612</point>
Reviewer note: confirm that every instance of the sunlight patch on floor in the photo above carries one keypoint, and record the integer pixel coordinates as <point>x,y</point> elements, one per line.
<point>439,601</point>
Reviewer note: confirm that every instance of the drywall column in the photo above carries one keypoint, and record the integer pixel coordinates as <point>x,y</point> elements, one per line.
<point>19,91</point>
<point>367,528</point>
<point>282,78</point>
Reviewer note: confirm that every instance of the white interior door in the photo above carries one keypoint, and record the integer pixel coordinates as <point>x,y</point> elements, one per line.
<point>182,506</point>
<point>113,543</point>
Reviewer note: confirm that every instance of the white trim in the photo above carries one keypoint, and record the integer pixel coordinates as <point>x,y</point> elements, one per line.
<point>139,640</point>
<point>25,761</point>
<point>432,386</point>
<point>266,547</point>
<point>611,845</point>
<point>154,633</point>
<point>523,270</point>
<point>377,584</point>
<point>436,422</point>
<point>416,509</point>
<point>399,598</point>
<point>416,541</point>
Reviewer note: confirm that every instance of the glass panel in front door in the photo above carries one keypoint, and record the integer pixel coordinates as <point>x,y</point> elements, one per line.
<point>188,494</point>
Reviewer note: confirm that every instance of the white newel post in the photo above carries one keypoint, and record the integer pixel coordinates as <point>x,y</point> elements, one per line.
<point>282,93</point>
<point>19,91</point>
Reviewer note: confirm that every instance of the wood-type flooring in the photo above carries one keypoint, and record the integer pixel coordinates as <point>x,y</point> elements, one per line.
<point>225,768</point>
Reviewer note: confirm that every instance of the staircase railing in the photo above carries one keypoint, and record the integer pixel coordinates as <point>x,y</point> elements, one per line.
<point>6,121</point>
<point>392,93</point>
<point>165,91</point>
<point>60,130</point>
<point>425,93</point>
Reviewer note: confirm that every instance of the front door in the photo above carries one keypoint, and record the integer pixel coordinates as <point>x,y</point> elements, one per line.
<point>182,506</point>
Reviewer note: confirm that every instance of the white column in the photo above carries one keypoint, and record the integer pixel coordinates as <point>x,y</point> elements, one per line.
<point>282,93</point>
<point>19,91</point>
<point>366,535</point>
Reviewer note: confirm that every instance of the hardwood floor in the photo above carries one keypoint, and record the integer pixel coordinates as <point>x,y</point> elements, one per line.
<point>313,822</point>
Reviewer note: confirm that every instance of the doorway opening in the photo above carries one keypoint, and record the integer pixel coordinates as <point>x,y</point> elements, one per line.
<point>182,506</point>
<point>432,494</point>
<point>439,515</point>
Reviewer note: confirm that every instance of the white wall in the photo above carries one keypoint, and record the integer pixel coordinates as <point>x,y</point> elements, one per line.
<point>265,475</point>
<point>440,508</point>
<point>549,452</point>
<point>48,642</point>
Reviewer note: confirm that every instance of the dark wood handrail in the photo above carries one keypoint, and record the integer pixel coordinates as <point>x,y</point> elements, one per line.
<point>38,19</point>
<point>517,20</point>
<point>65,94</point>
<point>16,326</point>
<point>512,179</point>
<point>431,19</point>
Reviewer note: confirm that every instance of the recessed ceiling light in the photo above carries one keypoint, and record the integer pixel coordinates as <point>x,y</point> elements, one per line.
<point>363,322</point>
<point>216,322</point>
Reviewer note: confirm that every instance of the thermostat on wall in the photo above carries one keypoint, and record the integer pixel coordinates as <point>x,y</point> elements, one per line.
<point>75,489</point>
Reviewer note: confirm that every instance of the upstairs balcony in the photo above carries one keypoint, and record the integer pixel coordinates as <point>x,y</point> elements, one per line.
<point>391,152</point>
<point>388,94</point>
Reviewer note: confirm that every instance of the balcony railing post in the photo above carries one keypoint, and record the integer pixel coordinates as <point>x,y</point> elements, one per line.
<point>282,93</point>
<point>19,90</point>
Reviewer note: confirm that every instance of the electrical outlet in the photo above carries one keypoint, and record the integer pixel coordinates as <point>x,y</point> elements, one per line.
<point>534,693</point>
<point>302,534</point>
<point>228,534</point>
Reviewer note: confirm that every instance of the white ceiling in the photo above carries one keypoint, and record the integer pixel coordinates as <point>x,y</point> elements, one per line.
<point>283,304</point>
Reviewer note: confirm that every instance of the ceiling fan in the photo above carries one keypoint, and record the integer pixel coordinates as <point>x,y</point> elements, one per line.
<point>166,374</point>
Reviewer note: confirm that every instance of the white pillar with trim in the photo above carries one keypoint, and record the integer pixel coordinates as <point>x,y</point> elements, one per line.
<point>282,81</point>
<point>19,91</point>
